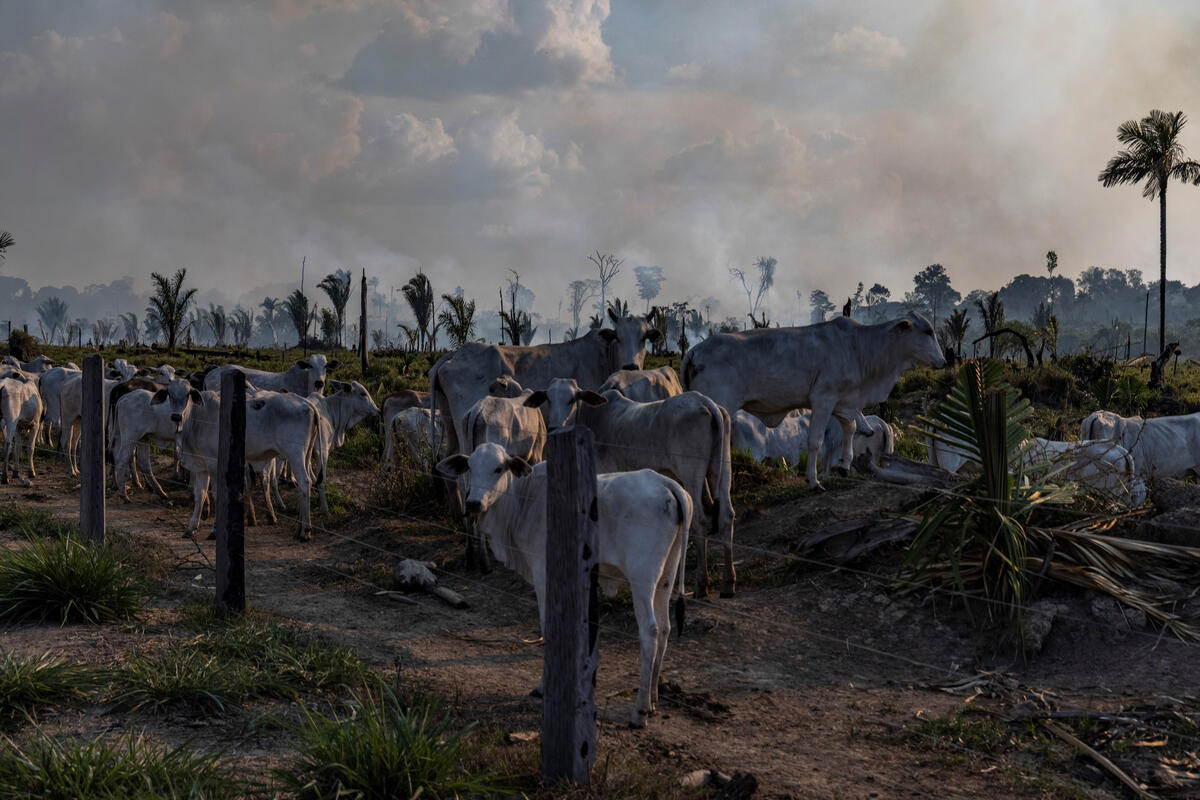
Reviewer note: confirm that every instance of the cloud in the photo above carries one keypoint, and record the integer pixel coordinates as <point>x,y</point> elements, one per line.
<point>866,49</point>
<point>690,71</point>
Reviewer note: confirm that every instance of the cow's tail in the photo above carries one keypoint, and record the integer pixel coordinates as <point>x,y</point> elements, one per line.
<point>689,369</point>
<point>683,524</point>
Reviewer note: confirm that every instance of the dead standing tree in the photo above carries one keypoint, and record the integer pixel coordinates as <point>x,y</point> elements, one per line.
<point>608,265</point>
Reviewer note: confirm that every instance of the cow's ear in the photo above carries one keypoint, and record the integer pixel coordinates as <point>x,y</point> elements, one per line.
<point>196,397</point>
<point>453,466</point>
<point>303,364</point>
<point>332,365</point>
<point>497,386</point>
<point>159,396</point>
<point>613,316</point>
<point>536,399</point>
<point>653,335</point>
<point>591,398</point>
<point>608,335</point>
<point>343,386</point>
<point>282,390</point>
<point>902,326</point>
<point>519,466</point>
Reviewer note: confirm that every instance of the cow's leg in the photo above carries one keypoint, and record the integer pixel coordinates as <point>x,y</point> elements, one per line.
<point>662,613</point>
<point>268,478</point>
<point>133,471</point>
<point>143,460</point>
<point>817,424</point>
<point>122,461</point>
<point>199,495</point>
<point>304,487</point>
<point>8,441</point>
<point>721,528</point>
<point>30,440</point>
<point>847,455</point>
<point>248,494</point>
<point>275,469</point>
<point>648,632</point>
<point>701,528</point>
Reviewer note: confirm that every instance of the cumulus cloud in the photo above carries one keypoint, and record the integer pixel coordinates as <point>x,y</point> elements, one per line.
<point>865,48</point>
<point>690,71</point>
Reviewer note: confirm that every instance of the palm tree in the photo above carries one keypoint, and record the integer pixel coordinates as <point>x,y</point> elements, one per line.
<point>271,308</point>
<point>955,329</point>
<point>336,286</point>
<point>151,330</point>
<point>242,325</point>
<point>329,327</point>
<point>992,314</point>
<point>169,304</point>
<point>419,294</point>
<point>218,322</point>
<point>300,314</point>
<point>6,241</point>
<point>1154,154</point>
<point>52,312</point>
<point>130,322</point>
<point>458,318</point>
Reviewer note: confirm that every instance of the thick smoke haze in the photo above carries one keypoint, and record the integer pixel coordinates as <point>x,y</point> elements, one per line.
<point>852,142</point>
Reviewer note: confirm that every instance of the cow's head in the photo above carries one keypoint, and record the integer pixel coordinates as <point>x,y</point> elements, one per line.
<point>361,403</point>
<point>120,370</point>
<point>491,470</point>
<point>176,400</point>
<point>505,386</point>
<point>312,373</point>
<point>561,400</point>
<point>916,341</point>
<point>627,339</point>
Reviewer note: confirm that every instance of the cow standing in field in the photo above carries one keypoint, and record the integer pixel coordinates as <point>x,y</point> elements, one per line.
<point>644,385</point>
<point>70,403</point>
<point>34,367</point>
<point>422,435</point>
<point>685,437</point>
<point>302,377</point>
<point>348,405</point>
<point>143,416</point>
<point>836,368</point>
<point>788,440</point>
<point>642,521</point>
<point>461,378</point>
<point>50,386</point>
<point>1162,447</point>
<point>21,416</point>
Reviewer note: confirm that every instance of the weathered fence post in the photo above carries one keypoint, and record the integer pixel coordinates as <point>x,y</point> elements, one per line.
<point>571,626</point>
<point>91,451</point>
<point>362,327</point>
<point>231,512</point>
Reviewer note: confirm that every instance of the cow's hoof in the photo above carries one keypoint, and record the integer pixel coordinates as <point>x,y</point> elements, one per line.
<point>638,720</point>
<point>189,535</point>
<point>304,536</point>
<point>816,487</point>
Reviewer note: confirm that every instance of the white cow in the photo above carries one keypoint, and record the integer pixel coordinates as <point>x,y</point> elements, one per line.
<point>644,385</point>
<point>348,405</point>
<point>141,417</point>
<point>302,377</point>
<point>421,432</point>
<point>120,370</point>
<point>70,403</point>
<point>1162,447</point>
<point>642,524</point>
<point>282,426</point>
<point>35,367</point>
<point>788,440</point>
<point>835,368</point>
<point>163,374</point>
<point>685,437</point>
<point>393,404</point>
<point>1103,466</point>
<point>50,385</point>
<point>508,422</point>
<point>21,416</point>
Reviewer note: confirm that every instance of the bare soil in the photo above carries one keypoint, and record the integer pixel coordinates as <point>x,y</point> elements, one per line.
<point>819,681</point>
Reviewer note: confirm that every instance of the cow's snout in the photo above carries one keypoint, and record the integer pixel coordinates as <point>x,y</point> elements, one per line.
<point>474,506</point>
<point>177,417</point>
<point>318,384</point>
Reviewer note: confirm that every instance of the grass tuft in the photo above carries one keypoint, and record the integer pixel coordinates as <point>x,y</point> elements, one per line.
<point>383,747</point>
<point>27,684</point>
<point>67,581</point>
<point>34,523</point>
<point>45,769</point>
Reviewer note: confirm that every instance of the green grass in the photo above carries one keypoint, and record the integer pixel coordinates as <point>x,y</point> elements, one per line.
<point>34,523</point>
<point>382,746</point>
<point>232,663</point>
<point>27,684</point>
<point>128,769</point>
<point>362,446</point>
<point>67,581</point>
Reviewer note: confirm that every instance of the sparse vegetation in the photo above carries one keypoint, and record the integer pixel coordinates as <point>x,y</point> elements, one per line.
<point>27,684</point>
<point>67,581</point>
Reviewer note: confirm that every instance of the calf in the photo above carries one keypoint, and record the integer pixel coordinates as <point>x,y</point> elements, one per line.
<point>1105,467</point>
<point>642,522</point>
<point>141,416</point>
<point>684,437</point>
<point>644,385</point>
<point>21,416</point>
<point>788,441</point>
<point>392,406</point>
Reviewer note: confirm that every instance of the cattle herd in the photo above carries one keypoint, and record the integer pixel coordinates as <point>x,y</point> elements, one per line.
<point>663,445</point>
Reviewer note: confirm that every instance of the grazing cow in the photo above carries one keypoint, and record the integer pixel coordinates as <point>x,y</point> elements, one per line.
<point>788,440</point>
<point>393,405</point>
<point>35,367</point>
<point>302,377</point>
<point>277,426</point>
<point>1102,466</point>
<point>835,368</point>
<point>120,370</point>
<point>163,374</point>
<point>21,416</point>
<point>1162,447</point>
<point>70,403</point>
<point>421,433</point>
<point>685,437</point>
<point>348,405</point>
<point>644,385</point>
<point>143,415</point>
<point>50,385</point>
<point>642,523</point>
<point>462,377</point>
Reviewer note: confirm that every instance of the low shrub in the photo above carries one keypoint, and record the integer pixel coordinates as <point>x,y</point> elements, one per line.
<point>67,581</point>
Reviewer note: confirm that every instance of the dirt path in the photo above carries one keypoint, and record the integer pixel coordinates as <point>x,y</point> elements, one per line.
<point>813,680</point>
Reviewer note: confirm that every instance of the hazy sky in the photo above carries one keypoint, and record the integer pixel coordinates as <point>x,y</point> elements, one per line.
<point>851,141</point>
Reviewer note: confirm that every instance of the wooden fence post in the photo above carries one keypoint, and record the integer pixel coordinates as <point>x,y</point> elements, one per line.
<point>571,627</point>
<point>231,510</point>
<point>362,327</point>
<point>91,451</point>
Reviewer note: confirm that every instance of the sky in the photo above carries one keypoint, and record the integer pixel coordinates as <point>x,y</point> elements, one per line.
<point>851,141</point>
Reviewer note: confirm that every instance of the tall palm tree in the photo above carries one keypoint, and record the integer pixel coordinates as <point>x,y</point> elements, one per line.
<point>52,312</point>
<point>270,315</point>
<point>169,304</point>
<point>218,322</point>
<point>1154,154</point>
<point>419,294</point>
<point>300,313</point>
<point>992,314</point>
<point>336,286</point>
<point>130,322</point>
<point>242,325</point>
<point>458,318</point>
